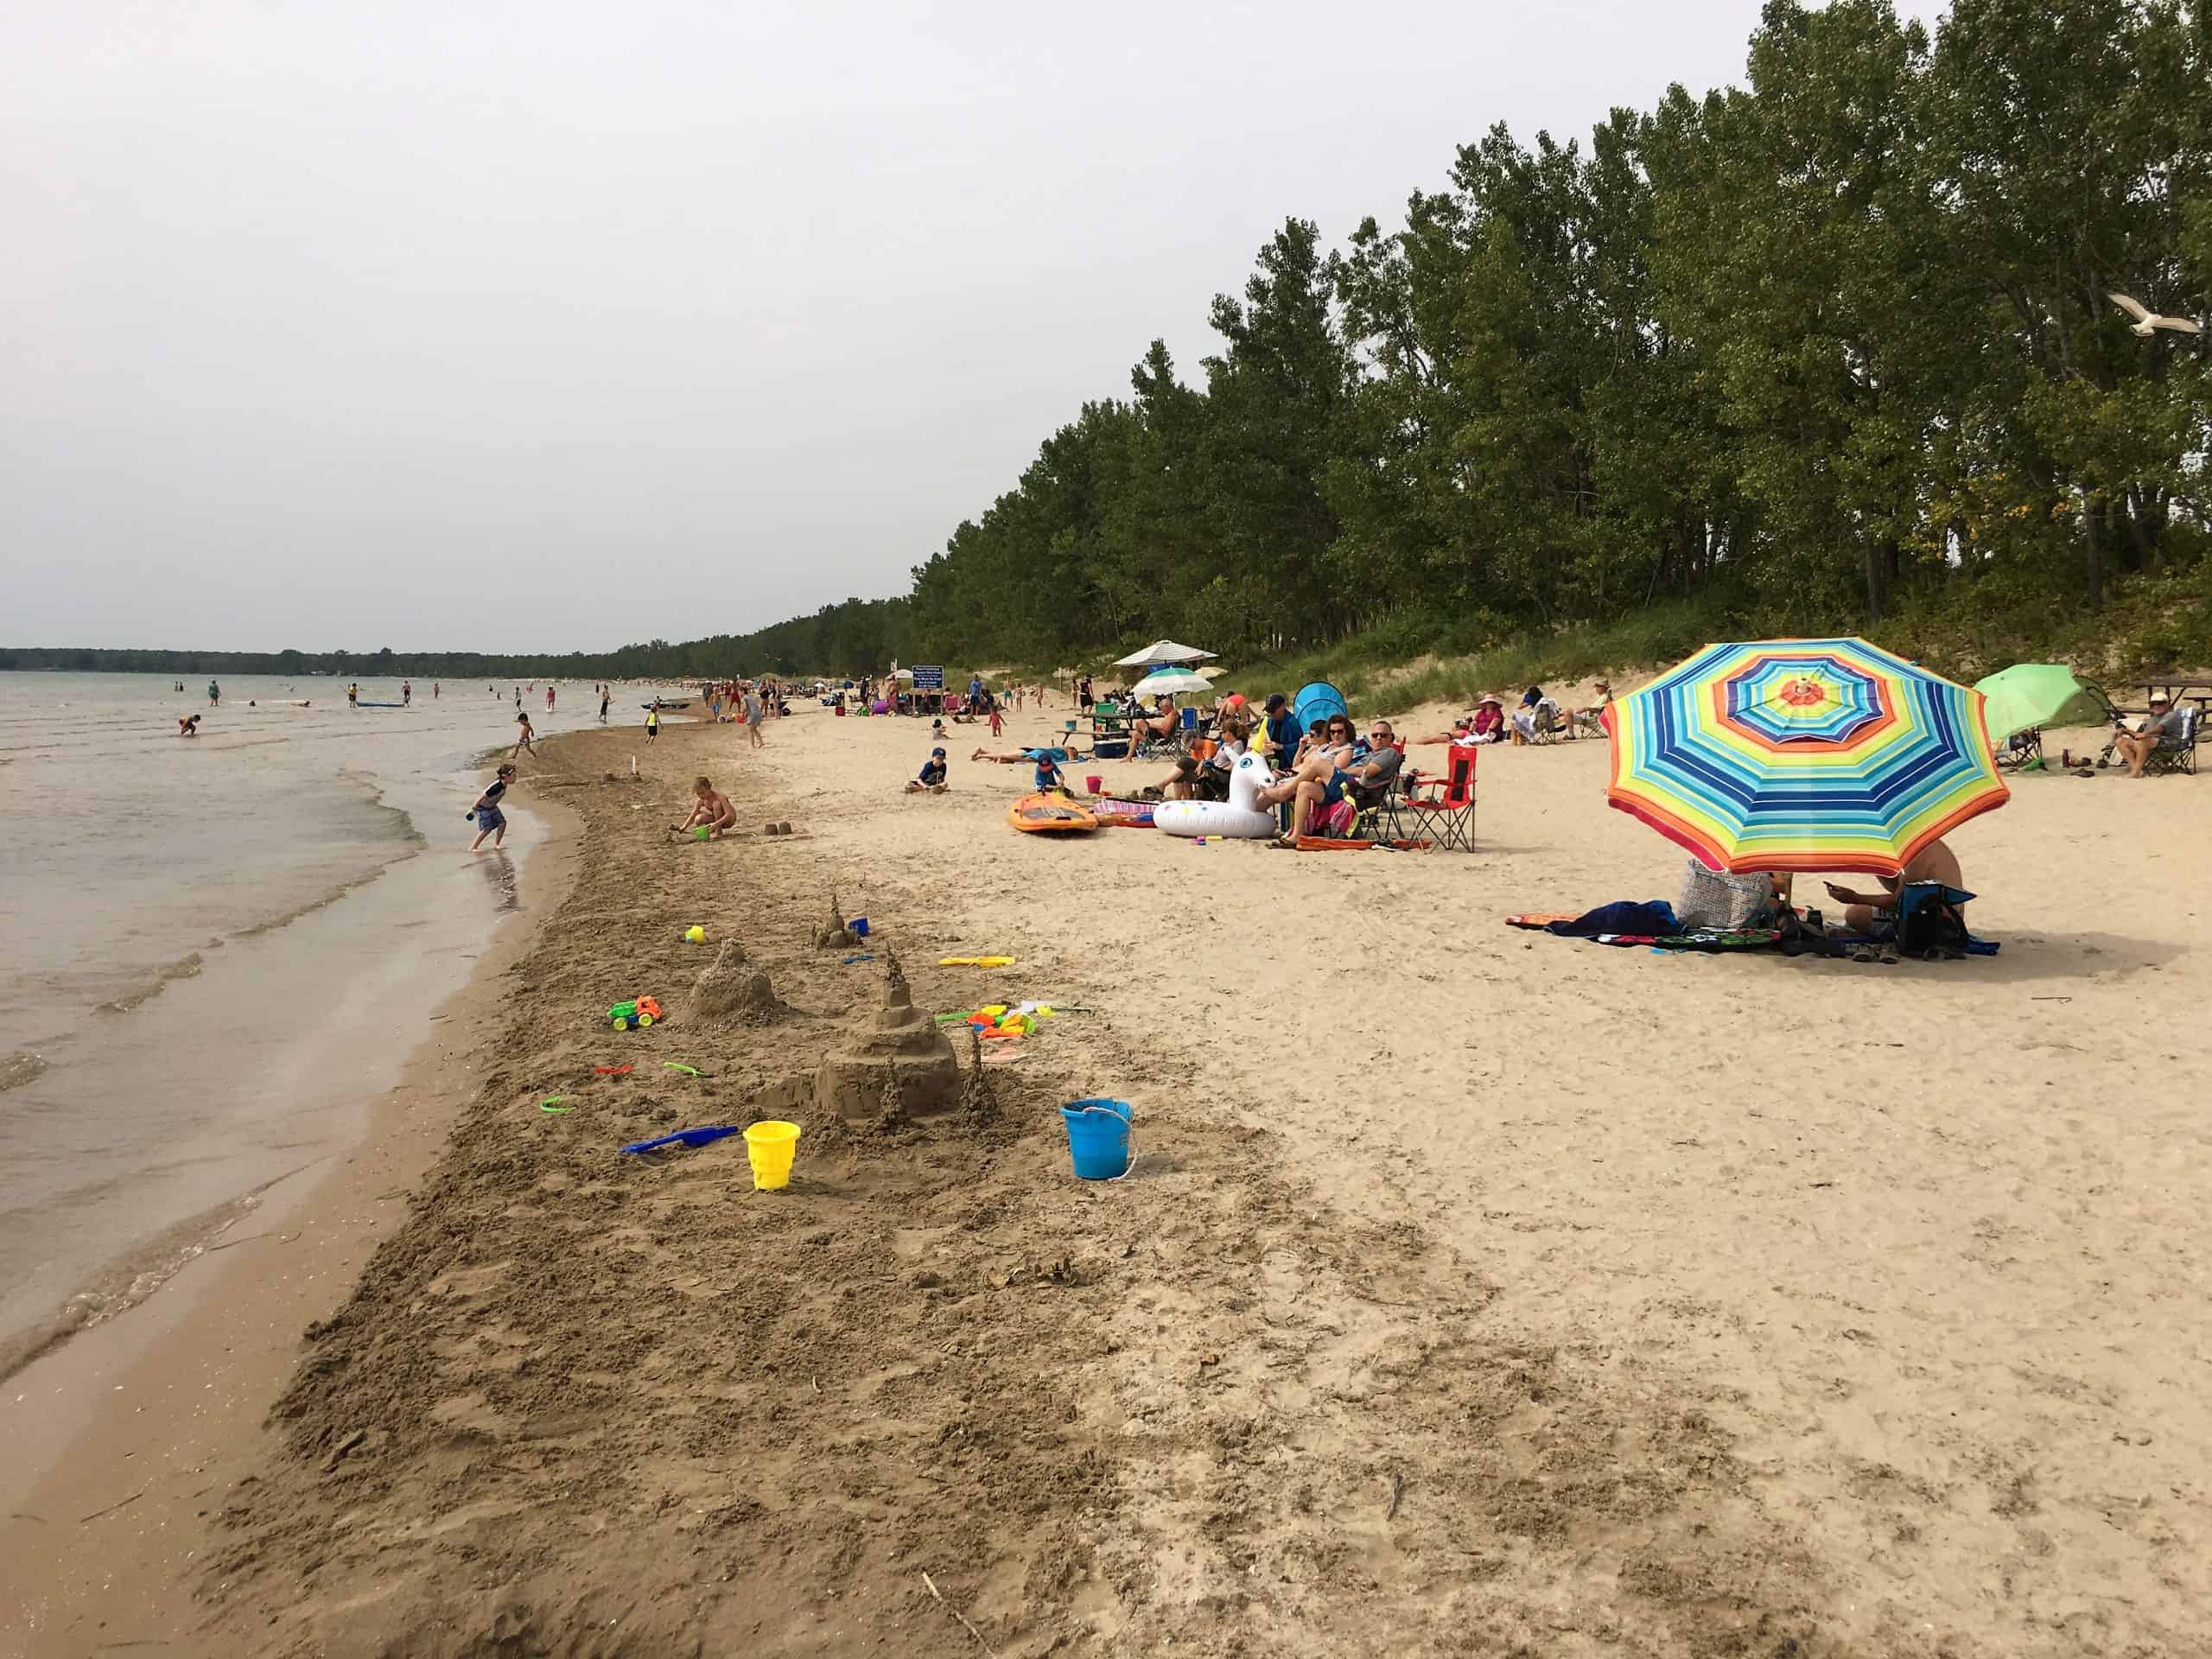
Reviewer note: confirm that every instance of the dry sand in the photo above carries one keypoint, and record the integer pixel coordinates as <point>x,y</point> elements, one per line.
<point>1475,1291</point>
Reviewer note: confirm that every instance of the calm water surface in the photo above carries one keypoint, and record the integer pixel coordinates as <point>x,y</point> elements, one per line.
<point>213,951</point>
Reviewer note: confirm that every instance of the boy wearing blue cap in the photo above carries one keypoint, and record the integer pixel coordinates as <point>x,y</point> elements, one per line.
<point>931,776</point>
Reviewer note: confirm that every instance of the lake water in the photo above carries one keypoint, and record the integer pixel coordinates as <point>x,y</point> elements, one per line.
<point>213,951</point>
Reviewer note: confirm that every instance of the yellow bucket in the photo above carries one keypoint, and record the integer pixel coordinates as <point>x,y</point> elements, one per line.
<point>770,1146</point>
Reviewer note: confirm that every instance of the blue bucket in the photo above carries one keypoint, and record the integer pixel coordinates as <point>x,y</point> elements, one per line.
<point>1098,1138</point>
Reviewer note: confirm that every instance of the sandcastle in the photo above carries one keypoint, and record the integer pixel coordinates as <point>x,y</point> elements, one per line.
<point>833,935</point>
<point>854,1081</point>
<point>733,990</point>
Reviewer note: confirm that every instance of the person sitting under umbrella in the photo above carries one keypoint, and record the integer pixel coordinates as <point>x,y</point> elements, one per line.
<point>1159,728</point>
<point>1875,914</point>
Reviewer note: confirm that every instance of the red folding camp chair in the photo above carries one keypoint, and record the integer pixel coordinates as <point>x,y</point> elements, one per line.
<point>1445,807</point>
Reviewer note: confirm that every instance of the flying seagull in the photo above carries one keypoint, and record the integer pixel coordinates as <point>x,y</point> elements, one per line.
<point>2145,322</point>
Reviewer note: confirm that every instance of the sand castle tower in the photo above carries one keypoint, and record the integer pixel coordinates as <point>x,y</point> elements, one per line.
<point>734,990</point>
<point>853,1082</point>
<point>979,1103</point>
<point>834,934</point>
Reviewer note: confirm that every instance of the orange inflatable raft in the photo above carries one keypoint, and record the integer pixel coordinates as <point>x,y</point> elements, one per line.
<point>1048,812</point>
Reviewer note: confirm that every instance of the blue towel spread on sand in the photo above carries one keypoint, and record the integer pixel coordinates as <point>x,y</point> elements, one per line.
<point>1654,918</point>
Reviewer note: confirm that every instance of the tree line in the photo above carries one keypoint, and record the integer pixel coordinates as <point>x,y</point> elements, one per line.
<point>1834,345</point>
<point>861,632</point>
<point>1830,348</point>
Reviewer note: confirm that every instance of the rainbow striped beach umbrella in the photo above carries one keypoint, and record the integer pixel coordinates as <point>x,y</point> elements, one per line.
<point>1802,755</point>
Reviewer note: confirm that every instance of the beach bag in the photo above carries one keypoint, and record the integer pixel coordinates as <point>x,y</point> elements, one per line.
<point>1931,921</point>
<point>1714,899</point>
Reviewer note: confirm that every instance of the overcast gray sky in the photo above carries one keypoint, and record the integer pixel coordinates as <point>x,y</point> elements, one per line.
<point>556,325</point>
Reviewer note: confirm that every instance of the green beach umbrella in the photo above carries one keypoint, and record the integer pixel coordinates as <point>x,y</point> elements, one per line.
<point>2028,694</point>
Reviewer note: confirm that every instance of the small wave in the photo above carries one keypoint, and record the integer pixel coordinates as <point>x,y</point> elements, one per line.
<point>19,1068</point>
<point>123,1284</point>
<point>400,828</point>
<point>183,968</point>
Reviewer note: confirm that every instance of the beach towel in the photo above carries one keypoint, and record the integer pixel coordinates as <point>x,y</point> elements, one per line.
<point>1651,924</point>
<point>1703,938</point>
<point>1655,917</point>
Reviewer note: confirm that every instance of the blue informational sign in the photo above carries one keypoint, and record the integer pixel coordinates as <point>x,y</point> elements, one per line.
<point>928,677</point>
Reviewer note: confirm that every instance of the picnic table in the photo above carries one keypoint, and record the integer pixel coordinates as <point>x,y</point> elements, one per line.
<point>2176,689</point>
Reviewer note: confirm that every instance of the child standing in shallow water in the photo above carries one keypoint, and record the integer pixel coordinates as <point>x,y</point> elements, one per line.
<point>489,821</point>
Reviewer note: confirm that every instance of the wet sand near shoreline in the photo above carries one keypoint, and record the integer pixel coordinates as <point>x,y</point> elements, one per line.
<point>1473,1292</point>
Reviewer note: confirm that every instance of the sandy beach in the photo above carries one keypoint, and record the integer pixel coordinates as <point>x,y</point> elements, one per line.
<point>1473,1292</point>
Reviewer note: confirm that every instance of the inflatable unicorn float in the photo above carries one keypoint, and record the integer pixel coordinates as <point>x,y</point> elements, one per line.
<point>1240,817</point>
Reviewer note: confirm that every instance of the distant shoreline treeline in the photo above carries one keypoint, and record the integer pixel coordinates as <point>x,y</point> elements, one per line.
<point>860,633</point>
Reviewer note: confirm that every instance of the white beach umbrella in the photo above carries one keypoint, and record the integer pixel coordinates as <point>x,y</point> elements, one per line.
<point>1171,682</point>
<point>1162,650</point>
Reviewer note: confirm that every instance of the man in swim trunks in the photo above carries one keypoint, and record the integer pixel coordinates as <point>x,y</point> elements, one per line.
<point>712,809</point>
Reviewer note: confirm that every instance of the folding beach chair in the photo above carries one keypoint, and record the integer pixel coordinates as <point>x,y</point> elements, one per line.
<point>1153,746</point>
<point>1443,809</point>
<point>2022,752</point>
<point>1541,724</point>
<point>1377,807</point>
<point>2180,754</point>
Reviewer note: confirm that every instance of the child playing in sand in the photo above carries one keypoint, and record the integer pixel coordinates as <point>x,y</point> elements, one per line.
<point>188,726</point>
<point>712,809</point>
<point>931,776</point>
<point>522,742</point>
<point>489,821</point>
